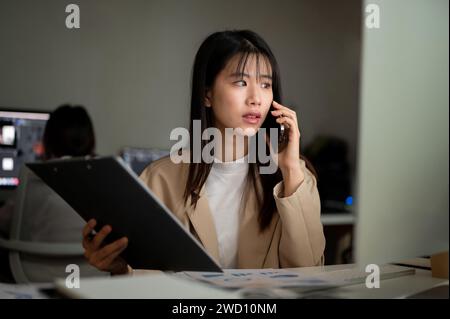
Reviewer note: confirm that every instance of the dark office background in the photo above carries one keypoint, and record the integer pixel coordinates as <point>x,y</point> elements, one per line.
<point>130,65</point>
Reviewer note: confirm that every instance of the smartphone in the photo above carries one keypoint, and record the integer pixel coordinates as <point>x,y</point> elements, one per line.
<point>283,133</point>
<point>283,137</point>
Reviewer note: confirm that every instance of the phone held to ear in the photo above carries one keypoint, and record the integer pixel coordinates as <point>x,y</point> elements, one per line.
<point>283,137</point>
<point>283,133</point>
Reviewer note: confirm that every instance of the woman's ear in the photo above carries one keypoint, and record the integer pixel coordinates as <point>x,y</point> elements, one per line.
<point>208,98</point>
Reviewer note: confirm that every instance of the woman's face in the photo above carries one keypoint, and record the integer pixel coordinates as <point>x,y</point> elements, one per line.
<point>241,100</point>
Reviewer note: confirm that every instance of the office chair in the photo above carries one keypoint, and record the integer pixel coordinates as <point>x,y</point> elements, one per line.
<point>41,253</point>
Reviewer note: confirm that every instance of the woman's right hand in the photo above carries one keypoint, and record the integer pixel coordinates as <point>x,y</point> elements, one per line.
<point>105,258</point>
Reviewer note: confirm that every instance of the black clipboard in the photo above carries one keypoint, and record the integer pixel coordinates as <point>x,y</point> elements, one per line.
<point>106,189</point>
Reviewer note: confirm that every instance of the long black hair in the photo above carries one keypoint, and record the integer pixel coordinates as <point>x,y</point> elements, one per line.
<point>68,132</point>
<point>212,57</point>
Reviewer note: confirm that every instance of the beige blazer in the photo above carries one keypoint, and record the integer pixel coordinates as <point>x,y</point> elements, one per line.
<point>294,238</point>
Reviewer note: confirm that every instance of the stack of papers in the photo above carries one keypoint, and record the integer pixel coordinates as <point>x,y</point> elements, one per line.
<point>257,278</point>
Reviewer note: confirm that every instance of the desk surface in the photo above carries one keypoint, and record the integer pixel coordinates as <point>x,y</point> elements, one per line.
<point>400,287</point>
<point>333,219</point>
<point>144,287</point>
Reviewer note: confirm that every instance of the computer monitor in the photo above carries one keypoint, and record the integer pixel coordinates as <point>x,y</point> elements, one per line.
<point>402,173</point>
<point>138,158</point>
<point>20,142</point>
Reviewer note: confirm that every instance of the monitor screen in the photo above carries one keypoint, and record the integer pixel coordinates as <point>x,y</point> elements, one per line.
<point>139,158</point>
<point>20,141</point>
<point>402,194</point>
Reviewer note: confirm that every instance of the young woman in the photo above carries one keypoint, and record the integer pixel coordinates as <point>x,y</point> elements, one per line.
<point>243,218</point>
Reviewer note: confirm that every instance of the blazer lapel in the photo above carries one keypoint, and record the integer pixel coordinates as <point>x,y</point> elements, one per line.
<point>203,224</point>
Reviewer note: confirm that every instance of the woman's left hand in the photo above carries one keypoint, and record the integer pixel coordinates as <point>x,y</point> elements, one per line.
<point>288,158</point>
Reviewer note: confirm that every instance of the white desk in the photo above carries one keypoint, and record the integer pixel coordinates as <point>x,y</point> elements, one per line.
<point>123,287</point>
<point>399,287</point>
<point>333,219</point>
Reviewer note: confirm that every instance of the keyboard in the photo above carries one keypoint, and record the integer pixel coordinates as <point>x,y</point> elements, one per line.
<point>351,276</point>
